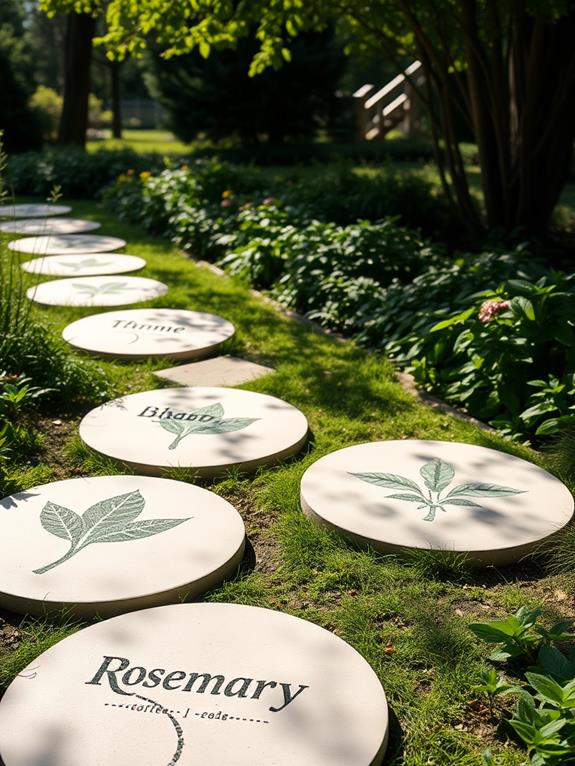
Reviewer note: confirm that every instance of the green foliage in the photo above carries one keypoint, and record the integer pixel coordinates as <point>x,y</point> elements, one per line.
<point>436,564</point>
<point>215,97</point>
<point>491,333</point>
<point>21,126</point>
<point>81,175</point>
<point>545,715</point>
<point>520,635</point>
<point>47,104</point>
<point>17,400</point>
<point>507,357</point>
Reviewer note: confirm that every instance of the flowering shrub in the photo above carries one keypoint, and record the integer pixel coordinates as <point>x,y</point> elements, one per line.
<point>492,333</point>
<point>507,357</point>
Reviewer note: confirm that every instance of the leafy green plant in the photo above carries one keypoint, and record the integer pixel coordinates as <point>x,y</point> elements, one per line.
<point>27,348</point>
<point>108,521</point>
<point>493,685</point>
<point>545,721</point>
<point>437,476</point>
<point>545,715</point>
<point>520,635</point>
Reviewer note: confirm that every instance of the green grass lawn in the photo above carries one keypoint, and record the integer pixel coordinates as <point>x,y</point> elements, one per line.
<point>409,620</point>
<point>160,141</point>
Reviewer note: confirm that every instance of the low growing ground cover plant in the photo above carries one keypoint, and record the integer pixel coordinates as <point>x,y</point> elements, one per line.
<point>544,719</point>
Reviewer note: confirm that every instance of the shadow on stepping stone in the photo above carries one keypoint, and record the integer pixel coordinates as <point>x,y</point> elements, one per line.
<point>221,371</point>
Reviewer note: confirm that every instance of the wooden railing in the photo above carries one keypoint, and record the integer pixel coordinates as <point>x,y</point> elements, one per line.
<point>379,112</point>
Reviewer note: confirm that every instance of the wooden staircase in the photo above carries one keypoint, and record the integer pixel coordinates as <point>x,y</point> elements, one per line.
<point>393,106</point>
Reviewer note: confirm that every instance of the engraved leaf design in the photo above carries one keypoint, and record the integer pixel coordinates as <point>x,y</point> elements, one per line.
<point>112,520</point>
<point>105,289</point>
<point>480,489</point>
<point>228,425</point>
<point>112,513</point>
<point>61,522</point>
<point>388,480</point>
<point>215,410</point>
<point>135,530</point>
<point>437,474</point>
<point>83,264</point>
<point>205,420</point>
<point>173,426</point>
<point>413,498</point>
<point>460,501</point>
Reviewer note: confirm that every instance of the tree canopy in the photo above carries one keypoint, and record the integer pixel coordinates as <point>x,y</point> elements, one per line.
<point>516,59</point>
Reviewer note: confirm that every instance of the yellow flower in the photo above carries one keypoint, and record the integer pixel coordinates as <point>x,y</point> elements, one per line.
<point>122,179</point>
<point>227,194</point>
<point>145,175</point>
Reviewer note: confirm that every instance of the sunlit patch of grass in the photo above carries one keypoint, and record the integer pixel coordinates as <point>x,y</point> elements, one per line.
<point>36,636</point>
<point>92,463</point>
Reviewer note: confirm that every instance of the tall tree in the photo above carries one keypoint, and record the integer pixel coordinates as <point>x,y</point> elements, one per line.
<point>80,31</point>
<point>516,57</point>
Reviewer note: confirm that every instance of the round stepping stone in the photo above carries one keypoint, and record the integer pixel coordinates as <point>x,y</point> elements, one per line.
<point>209,429</point>
<point>83,265</point>
<point>209,684</point>
<point>66,244</point>
<point>96,291</point>
<point>140,333</point>
<point>32,211</point>
<point>52,226</point>
<point>109,544</point>
<point>409,494</point>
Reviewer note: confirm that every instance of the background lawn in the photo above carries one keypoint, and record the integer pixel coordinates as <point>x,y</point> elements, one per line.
<point>408,619</point>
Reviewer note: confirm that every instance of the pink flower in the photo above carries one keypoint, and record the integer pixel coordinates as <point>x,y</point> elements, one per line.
<point>246,206</point>
<point>225,202</point>
<point>268,201</point>
<point>490,309</point>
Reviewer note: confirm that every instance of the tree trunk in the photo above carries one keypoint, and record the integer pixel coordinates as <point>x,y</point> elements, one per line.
<point>78,55</point>
<point>115,67</point>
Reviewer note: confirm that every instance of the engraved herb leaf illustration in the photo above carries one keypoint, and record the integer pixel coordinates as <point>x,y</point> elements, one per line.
<point>205,420</point>
<point>107,288</point>
<point>437,475</point>
<point>85,263</point>
<point>112,520</point>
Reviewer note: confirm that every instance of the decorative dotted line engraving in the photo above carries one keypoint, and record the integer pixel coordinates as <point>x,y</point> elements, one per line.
<point>114,704</point>
<point>199,715</point>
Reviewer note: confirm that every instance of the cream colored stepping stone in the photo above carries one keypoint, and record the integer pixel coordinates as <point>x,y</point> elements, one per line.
<point>32,211</point>
<point>109,544</point>
<point>207,429</point>
<point>67,244</point>
<point>49,226</point>
<point>138,333</point>
<point>222,371</point>
<point>210,684</point>
<point>411,494</point>
<point>83,265</point>
<point>96,291</point>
